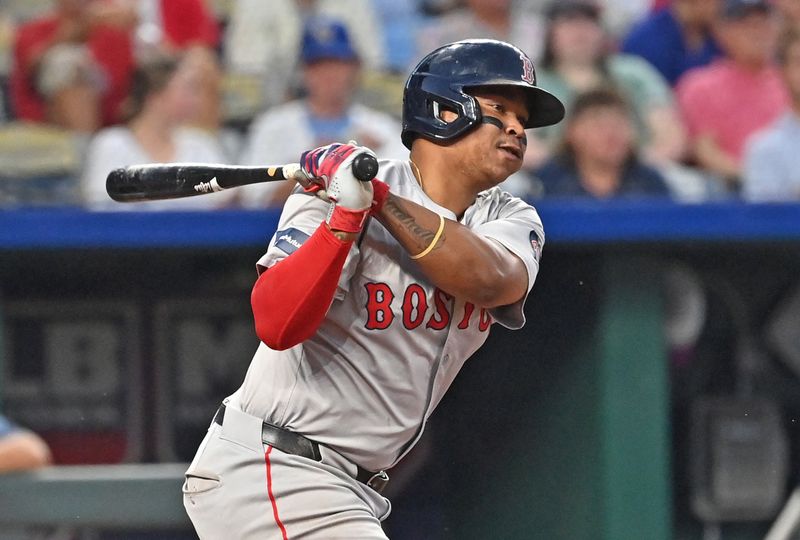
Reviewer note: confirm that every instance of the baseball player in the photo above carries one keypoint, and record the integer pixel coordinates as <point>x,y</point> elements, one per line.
<point>370,298</point>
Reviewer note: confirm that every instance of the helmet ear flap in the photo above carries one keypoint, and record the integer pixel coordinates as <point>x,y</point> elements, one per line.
<point>423,106</point>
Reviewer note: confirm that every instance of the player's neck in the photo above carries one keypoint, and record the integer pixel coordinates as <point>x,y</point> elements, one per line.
<point>441,183</point>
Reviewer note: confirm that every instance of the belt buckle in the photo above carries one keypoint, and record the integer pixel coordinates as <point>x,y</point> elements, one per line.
<point>378,481</point>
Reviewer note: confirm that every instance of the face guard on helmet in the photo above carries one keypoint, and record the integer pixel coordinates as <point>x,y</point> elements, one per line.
<point>442,78</point>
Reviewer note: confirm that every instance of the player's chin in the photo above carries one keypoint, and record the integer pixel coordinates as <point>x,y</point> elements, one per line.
<point>497,175</point>
<point>508,161</point>
<point>510,156</point>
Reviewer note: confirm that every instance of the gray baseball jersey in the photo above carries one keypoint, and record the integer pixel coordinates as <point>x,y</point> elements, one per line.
<point>363,386</point>
<point>392,343</point>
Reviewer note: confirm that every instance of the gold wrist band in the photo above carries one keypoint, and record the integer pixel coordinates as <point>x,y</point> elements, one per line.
<point>433,242</point>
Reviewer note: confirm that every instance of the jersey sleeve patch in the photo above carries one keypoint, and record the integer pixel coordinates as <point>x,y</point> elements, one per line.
<point>536,245</point>
<point>289,240</point>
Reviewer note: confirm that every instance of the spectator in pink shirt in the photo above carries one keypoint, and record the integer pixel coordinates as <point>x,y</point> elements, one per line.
<point>726,102</point>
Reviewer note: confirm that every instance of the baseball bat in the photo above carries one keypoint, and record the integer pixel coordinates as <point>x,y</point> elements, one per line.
<point>157,181</point>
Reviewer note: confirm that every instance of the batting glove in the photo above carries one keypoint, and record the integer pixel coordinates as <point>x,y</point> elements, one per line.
<point>330,168</point>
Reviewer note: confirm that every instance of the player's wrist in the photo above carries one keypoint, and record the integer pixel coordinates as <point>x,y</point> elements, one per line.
<point>342,236</point>
<point>380,192</point>
<point>345,236</point>
<point>345,219</point>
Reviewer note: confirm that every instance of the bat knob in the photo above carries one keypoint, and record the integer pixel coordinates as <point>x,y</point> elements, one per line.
<point>365,166</point>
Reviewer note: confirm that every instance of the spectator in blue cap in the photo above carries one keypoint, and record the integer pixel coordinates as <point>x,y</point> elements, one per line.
<point>326,39</point>
<point>325,114</point>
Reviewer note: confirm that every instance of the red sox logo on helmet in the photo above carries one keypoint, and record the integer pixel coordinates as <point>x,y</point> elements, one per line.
<point>527,69</point>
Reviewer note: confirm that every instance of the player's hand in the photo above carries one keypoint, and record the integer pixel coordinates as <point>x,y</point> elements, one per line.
<point>331,169</point>
<point>311,160</point>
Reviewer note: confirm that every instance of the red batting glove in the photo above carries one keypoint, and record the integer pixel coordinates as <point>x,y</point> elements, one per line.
<point>350,198</point>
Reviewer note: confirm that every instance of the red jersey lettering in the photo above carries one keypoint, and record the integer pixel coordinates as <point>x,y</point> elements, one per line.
<point>415,304</point>
<point>469,307</point>
<point>379,306</point>
<point>485,321</point>
<point>441,314</point>
<point>415,308</point>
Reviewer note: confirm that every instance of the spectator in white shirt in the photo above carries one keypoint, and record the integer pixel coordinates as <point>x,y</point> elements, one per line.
<point>162,99</point>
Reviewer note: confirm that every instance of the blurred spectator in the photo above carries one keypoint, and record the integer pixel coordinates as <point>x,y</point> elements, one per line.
<point>577,58</point>
<point>7,30</point>
<point>495,19</point>
<point>174,25</point>
<point>789,11</point>
<point>72,65</point>
<point>330,71</point>
<point>264,38</point>
<point>732,98</point>
<point>400,20</point>
<point>204,63</point>
<point>598,156</point>
<point>772,160</point>
<point>162,98</point>
<point>208,115</point>
<point>3,110</point>
<point>362,23</point>
<point>435,8</point>
<point>618,15</point>
<point>676,38</point>
<point>21,449</point>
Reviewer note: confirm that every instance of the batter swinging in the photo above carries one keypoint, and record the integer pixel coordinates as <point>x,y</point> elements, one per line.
<point>370,298</point>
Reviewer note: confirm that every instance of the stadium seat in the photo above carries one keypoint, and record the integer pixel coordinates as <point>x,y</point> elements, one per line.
<point>39,165</point>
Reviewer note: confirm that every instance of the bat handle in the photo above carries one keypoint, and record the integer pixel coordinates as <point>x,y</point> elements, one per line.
<point>365,167</point>
<point>294,171</point>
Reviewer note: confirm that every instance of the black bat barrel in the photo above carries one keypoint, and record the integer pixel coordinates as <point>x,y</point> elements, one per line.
<point>175,180</point>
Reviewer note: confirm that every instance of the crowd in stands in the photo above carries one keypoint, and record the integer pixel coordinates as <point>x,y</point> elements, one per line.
<point>687,99</point>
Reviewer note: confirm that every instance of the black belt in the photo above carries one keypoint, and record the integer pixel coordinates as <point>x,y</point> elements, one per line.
<point>289,442</point>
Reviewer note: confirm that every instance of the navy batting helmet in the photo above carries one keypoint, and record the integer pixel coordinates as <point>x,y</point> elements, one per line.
<point>441,79</point>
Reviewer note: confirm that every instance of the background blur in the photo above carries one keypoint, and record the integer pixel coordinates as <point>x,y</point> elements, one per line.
<point>652,395</point>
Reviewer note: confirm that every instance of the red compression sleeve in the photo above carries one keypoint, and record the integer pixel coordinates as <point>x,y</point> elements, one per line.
<point>291,298</point>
